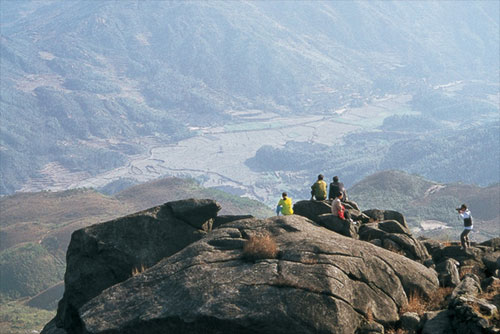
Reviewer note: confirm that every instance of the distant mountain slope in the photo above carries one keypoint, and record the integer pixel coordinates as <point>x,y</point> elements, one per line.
<point>83,81</point>
<point>430,206</point>
<point>36,227</point>
<point>466,152</point>
<point>154,193</point>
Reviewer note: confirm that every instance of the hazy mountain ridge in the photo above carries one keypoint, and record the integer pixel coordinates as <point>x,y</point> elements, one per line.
<point>430,206</point>
<point>107,72</point>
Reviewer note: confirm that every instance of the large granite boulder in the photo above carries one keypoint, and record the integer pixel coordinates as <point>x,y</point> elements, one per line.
<point>312,209</point>
<point>319,282</point>
<point>198,213</point>
<point>492,262</point>
<point>380,215</point>
<point>338,225</point>
<point>396,237</point>
<point>105,254</point>
<point>448,273</point>
<point>472,314</point>
<point>437,322</point>
<point>493,243</point>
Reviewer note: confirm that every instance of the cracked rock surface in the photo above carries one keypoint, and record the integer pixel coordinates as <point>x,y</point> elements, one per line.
<point>320,282</point>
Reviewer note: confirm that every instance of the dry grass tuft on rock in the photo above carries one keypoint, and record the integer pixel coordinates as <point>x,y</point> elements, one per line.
<point>138,270</point>
<point>439,299</point>
<point>416,303</point>
<point>420,305</point>
<point>260,247</point>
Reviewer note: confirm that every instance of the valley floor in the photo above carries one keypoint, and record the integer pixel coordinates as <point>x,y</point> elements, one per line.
<point>216,156</point>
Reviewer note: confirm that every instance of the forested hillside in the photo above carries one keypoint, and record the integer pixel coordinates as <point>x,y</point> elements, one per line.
<point>84,83</point>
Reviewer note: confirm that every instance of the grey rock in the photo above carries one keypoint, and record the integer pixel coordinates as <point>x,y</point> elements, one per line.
<point>429,263</point>
<point>381,215</point>
<point>412,248</point>
<point>432,246</point>
<point>321,282</point>
<point>105,254</point>
<point>51,328</point>
<point>393,226</point>
<point>492,261</point>
<point>454,252</point>
<point>338,225</point>
<point>357,215</point>
<point>409,245</point>
<point>391,245</point>
<point>494,243</point>
<point>224,219</point>
<point>370,327</point>
<point>467,320</point>
<point>448,273</point>
<point>196,212</point>
<point>371,231</point>
<point>437,322</point>
<point>490,283</point>
<point>410,322</point>
<point>312,209</point>
<point>469,286</point>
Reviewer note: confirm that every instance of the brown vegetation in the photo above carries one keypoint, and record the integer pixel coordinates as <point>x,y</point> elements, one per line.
<point>420,305</point>
<point>137,270</point>
<point>369,315</point>
<point>260,247</point>
<point>396,331</point>
<point>464,270</point>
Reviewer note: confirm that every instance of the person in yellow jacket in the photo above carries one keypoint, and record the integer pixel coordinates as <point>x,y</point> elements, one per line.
<point>318,189</point>
<point>284,206</point>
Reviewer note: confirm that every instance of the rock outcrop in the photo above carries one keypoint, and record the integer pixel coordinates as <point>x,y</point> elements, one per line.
<point>180,268</point>
<point>320,281</point>
<point>105,254</point>
<point>384,228</point>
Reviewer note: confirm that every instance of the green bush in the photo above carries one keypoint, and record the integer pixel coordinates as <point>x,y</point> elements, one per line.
<point>28,269</point>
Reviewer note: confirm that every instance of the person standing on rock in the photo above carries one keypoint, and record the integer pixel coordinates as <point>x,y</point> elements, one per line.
<point>338,209</point>
<point>284,205</point>
<point>335,188</point>
<point>318,189</point>
<point>467,217</point>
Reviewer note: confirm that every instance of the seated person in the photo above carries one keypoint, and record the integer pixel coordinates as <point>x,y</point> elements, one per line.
<point>338,208</point>
<point>318,189</point>
<point>336,187</point>
<point>284,205</point>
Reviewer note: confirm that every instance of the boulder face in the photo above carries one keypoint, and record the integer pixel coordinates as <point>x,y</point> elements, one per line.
<point>319,281</point>
<point>105,254</point>
<point>380,215</point>
<point>385,228</point>
<point>312,209</point>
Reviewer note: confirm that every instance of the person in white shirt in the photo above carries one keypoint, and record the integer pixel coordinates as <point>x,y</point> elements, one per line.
<point>467,217</point>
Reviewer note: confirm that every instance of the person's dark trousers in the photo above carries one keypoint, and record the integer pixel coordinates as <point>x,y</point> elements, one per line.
<point>464,238</point>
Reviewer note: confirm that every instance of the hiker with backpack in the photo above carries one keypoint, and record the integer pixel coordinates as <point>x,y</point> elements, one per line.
<point>465,214</point>
<point>284,205</point>
<point>318,189</point>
